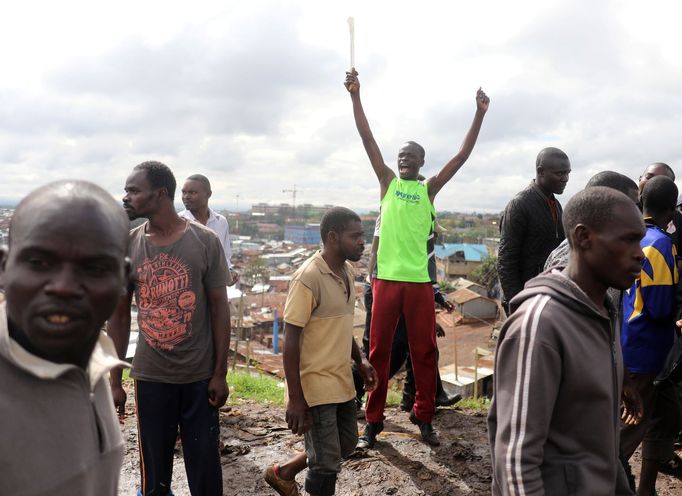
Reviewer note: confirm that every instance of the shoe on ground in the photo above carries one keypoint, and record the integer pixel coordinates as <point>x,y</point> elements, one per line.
<point>429,435</point>
<point>406,403</point>
<point>447,400</point>
<point>672,467</point>
<point>282,486</point>
<point>369,435</point>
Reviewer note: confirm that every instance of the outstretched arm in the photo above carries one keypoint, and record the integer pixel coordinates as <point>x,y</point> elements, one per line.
<point>384,174</point>
<point>439,180</point>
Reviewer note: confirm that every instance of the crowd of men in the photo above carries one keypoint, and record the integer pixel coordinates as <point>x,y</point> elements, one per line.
<point>582,369</point>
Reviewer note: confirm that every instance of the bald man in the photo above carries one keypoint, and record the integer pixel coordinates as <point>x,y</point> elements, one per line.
<point>63,273</point>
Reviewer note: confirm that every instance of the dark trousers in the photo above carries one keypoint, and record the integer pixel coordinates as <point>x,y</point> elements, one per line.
<point>161,409</point>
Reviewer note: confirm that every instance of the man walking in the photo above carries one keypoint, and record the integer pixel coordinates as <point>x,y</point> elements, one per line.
<point>554,421</point>
<point>179,278</point>
<point>319,344</point>
<point>531,224</point>
<point>63,274</point>
<point>403,284</point>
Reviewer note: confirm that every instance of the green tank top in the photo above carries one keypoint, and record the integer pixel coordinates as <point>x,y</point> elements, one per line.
<point>406,220</point>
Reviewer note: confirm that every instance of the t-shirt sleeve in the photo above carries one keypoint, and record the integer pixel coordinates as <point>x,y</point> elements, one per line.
<point>217,274</point>
<point>299,305</point>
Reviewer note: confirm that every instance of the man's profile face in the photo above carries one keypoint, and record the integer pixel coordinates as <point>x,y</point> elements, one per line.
<point>553,175</point>
<point>652,171</point>
<point>615,253</point>
<point>140,199</point>
<point>410,160</point>
<point>63,276</point>
<point>351,241</point>
<point>195,195</point>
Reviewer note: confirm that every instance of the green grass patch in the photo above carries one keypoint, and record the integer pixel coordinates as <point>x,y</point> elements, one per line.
<point>481,404</point>
<point>261,388</point>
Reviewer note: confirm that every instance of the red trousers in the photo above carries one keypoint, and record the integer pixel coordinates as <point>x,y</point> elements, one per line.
<point>415,302</point>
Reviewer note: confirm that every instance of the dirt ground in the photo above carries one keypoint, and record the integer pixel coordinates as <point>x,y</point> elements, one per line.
<point>255,436</point>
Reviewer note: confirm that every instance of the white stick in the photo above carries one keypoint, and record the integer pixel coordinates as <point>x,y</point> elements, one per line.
<point>351,29</point>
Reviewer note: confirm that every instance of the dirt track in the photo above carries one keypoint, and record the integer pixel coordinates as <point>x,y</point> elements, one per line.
<point>256,436</point>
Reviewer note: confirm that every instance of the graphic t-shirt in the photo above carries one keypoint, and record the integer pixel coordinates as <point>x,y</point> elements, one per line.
<point>171,283</point>
<point>407,217</point>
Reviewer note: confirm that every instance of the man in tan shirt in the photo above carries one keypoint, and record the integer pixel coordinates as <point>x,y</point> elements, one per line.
<point>318,348</point>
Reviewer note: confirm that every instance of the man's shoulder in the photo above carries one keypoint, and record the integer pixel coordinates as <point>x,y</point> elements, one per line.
<point>202,232</point>
<point>309,271</point>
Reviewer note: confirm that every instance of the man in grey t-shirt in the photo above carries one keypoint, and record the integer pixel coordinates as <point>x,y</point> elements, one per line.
<point>179,279</point>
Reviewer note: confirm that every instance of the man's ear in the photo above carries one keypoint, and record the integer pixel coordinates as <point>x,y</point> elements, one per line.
<point>540,170</point>
<point>582,237</point>
<point>332,237</point>
<point>4,251</point>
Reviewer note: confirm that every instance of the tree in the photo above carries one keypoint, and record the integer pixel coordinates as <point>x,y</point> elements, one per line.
<point>257,271</point>
<point>486,274</point>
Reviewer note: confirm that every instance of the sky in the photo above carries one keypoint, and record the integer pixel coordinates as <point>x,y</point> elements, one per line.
<point>251,95</point>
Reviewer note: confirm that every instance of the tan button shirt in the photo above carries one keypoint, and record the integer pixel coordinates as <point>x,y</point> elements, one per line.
<point>319,302</point>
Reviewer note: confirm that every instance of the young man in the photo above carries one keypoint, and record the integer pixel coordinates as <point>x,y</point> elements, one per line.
<point>554,421</point>
<point>403,285</point>
<point>195,194</point>
<point>648,332</point>
<point>179,278</point>
<point>63,273</point>
<point>318,348</point>
<point>530,227</point>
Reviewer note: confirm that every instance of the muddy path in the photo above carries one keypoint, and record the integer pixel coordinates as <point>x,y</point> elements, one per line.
<point>255,436</point>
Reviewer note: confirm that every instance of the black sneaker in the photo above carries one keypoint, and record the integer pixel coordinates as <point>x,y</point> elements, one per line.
<point>447,400</point>
<point>429,435</point>
<point>369,435</point>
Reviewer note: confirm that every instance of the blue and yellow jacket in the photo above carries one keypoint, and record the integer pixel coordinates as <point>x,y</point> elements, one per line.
<point>648,327</point>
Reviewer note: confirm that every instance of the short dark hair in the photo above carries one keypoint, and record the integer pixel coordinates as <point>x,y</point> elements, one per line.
<point>547,154</point>
<point>659,195</point>
<point>336,219</point>
<point>663,164</point>
<point>592,207</point>
<point>159,176</point>
<point>613,180</point>
<point>202,179</point>
<point>419,147</point>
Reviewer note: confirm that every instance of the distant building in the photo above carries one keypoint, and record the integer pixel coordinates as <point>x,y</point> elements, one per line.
<point>309,234</point>
<point>472,306</point>
<point>459,259</point>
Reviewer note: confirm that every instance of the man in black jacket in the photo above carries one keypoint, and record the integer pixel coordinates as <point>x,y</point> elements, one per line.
<point>531,224</point>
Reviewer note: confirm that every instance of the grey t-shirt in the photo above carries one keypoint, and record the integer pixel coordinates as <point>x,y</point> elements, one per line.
<point>171,283</point>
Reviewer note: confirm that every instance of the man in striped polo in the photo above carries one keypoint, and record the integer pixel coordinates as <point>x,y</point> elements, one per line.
<point>402,285</point>
<point>554,422</point>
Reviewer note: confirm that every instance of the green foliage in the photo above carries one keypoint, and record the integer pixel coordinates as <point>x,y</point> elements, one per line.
<point>446,286</point>
<point>261,388</point>
<point>486,273</point>
<point>257,271</point>
<point>481,404</point>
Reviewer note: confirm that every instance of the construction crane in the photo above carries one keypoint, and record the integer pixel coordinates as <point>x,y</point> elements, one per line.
<point>293,194</point>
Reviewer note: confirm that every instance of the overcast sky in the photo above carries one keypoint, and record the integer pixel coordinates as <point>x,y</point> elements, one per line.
<point>250,93</point>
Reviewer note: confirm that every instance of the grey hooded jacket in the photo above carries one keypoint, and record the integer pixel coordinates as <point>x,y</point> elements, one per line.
<point>554,421</point>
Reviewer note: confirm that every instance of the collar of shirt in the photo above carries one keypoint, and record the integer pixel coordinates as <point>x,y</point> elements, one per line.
<point>189,215</point>
<point>102,360</point>
<point>324,267</point>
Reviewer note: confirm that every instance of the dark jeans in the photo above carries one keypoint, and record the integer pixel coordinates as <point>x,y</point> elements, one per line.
<point>161,409</point>
<point>332,438</point>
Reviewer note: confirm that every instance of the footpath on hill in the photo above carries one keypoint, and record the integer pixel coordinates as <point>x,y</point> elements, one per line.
<point>254,435</point>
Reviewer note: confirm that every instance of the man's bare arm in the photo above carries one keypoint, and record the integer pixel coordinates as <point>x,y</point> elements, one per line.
<point>383,172</point>
<point>448,171</point>
<point>118,329</point>
<point>298,412</point>
<point>218,390</point>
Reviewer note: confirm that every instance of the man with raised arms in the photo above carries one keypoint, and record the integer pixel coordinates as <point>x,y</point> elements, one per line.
<point>403,284</point>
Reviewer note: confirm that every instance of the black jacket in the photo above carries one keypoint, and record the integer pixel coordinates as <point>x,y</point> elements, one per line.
<point>528,236</point>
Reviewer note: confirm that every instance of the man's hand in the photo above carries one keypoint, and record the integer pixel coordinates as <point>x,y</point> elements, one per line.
<point>298,416</point>
<point>482,101</point>
<point>120,397</point>
<point>352,83</point>
<point>235,277</point>
<point>633,409</point>
<point>369,375</point>
<point>440,332</point>
<point>449,307</point>
<point>218,391</point>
